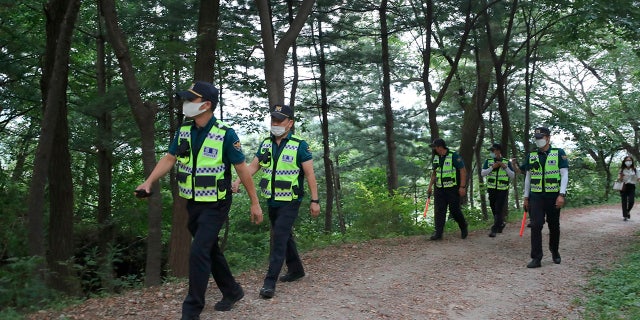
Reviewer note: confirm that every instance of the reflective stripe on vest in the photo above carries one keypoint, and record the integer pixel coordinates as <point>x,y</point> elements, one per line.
<point>497,179</point>
<point>549,179</point>
<point>281,184</point>
<point>446,176</point>
<point>203,184</point>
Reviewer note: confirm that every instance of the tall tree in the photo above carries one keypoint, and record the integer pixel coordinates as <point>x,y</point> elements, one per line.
<point>61,17</point>
<point>204,70</point>
<point>275,53</point>
<point>392,167</point>
<point>143,113</point>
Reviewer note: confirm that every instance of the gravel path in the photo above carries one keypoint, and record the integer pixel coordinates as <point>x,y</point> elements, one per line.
<point>412,278</point>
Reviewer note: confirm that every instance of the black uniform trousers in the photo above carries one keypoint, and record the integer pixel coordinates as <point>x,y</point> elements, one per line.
<point>628,195</point>
<point>447,198</point>
<point>283,245</point>
<point>497,201</point>
<point>540,206</point>
<point>205,221</point>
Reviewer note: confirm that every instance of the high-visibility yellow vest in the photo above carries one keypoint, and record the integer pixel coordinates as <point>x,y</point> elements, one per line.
<point>549,179</point>
<point>446,176</point>
<point>497,179</point>
<point>280,178</point>
<point>205,183</point>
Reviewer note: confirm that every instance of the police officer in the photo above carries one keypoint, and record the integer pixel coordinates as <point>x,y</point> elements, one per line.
<point>498,173</point>
<point>285,160</point>
<point>204,149</point>
<point>449,177</point>
<point>545,187</point>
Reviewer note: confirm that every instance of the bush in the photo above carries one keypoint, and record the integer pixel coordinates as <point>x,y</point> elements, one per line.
<point>20,289</point>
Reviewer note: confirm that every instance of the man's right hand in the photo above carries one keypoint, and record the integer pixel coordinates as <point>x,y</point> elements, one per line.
<point>525,204</point>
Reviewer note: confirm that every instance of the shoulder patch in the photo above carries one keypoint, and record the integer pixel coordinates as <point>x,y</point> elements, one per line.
<point>237,145</point>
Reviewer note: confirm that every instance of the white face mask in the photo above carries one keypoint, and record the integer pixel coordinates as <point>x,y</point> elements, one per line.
<point>541,142</point>
<point>192,109</point>
<point>628,163</point>
<point>278,131</point>
<point>492,155</point>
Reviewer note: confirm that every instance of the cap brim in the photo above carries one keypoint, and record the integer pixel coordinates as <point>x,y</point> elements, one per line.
<point>491,149</point>
<point>186,95</point>
<point>539,135</point>
<point>278,115</point>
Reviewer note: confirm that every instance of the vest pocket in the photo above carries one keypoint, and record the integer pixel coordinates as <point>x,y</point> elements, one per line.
<point>282,184</point>
<point>551,180</point>
<point>263,183</point>
<point>206,181</point>
<point>222,185</point>
<point>182,176</point>
<point>535,181</point>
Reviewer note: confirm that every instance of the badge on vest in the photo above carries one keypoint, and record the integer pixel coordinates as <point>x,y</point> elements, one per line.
<point>210,152</point>
<point>287,158</point>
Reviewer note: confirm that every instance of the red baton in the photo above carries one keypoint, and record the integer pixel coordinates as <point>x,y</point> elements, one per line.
<point>426,206</point>
<point>524,218</point>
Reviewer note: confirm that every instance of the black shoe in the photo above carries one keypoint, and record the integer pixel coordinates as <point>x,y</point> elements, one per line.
<point>436,237</point>
<point>267,293</point>
<point>492,234</point>
<point>535,263</point>
<point>289,277</point>
<point>556,257</point>
<point>625,219</point>
<point>227,302</point>
<point>501,228</point>
<point>464,232</point>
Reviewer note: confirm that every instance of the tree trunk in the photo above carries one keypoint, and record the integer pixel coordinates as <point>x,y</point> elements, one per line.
<point>207,42</point>
<point>144,115</point>
<point>61,18</point>
<point>392,166</point>
<point>105,166</point>
<point>276,55</point>
<point>61,241</point>
<point>324,125</point>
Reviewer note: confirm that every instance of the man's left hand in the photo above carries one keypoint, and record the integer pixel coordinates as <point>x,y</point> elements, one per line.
<point>559,202</point>
<point>314,208</point>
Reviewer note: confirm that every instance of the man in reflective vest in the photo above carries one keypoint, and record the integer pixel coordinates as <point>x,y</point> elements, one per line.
<point>449,177</point>
<point>545,188</point>
<point>498,173</point>
<point>204,150</point>
<point>285,161</point>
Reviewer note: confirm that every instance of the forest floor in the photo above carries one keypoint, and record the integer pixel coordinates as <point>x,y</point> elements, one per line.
<point>412,278</point>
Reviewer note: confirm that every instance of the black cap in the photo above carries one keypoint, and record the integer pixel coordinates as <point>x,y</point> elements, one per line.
<point>438,143</point>
<point>495,146</point>
<point>540,132</point>
<point>281,111</point>
<point>200,89</point>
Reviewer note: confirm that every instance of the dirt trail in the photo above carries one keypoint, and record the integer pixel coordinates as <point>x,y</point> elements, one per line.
<point>413,278</point>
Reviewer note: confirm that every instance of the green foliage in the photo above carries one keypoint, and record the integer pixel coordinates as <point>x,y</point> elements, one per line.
<point>613,294</point>
<point>373,213</point>
<point>19,288</point>
<point>13,235</point>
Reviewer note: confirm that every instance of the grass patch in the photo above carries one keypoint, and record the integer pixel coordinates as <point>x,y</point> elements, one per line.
<point>615,293</point>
